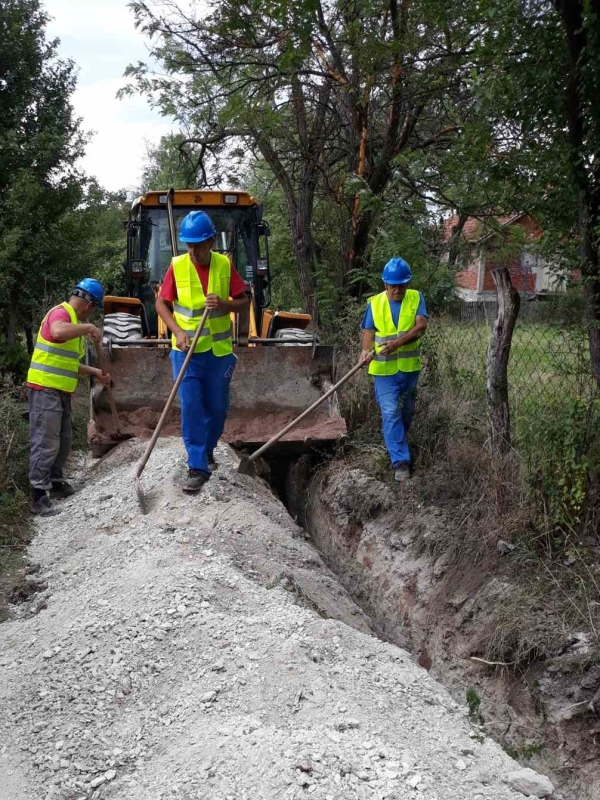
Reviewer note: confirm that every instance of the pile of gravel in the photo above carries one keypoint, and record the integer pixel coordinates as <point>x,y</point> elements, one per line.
<point>198,652</point>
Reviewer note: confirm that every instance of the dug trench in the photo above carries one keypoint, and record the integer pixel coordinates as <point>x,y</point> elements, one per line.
<point>206,651</point>
<point>543,708</point>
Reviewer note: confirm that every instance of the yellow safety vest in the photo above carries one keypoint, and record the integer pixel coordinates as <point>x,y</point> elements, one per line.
<point>55,365</point>
<point>406,358</point>
<point>189,306</point>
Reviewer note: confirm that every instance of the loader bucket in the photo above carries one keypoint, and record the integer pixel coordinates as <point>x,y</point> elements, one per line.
<point>270,387</point>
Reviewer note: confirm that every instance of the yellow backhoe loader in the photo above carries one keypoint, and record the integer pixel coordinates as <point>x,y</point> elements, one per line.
<point>281,368</point>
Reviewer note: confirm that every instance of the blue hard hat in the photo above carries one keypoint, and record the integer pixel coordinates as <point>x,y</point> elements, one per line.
<point>91,290</point>
<point>197,227</point>
<point>396,272</point>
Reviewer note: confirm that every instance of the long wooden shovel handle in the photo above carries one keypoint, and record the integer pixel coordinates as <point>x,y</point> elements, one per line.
<point>150,446</point>
<point>304,414</point>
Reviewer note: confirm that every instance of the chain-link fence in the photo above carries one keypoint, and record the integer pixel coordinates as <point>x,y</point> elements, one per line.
<point>549,358</point>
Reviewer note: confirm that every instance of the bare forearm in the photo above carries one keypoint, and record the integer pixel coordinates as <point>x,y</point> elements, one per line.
<point>237,304</point>
<point>66,331</point>
<point>413,334</point>
<point>368,340</point>
<point>164,312</point>
<point>84,369</point>
<point>408,337</point>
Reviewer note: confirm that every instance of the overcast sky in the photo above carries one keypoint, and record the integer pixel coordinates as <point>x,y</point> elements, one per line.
<point>100,37</point>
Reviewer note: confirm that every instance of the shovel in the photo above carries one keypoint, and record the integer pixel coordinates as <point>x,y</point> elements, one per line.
<point>150,446</point>
<point>246,466</point>
<point>92,428</point>
<point>118,435</point>
<point>97,442</point>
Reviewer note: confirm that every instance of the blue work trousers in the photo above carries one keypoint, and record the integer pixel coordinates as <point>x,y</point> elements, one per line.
<point>204,400</point>
<point>396,398</point>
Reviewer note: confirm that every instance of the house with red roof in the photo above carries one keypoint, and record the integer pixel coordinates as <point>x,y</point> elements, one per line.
<point>504,242</point>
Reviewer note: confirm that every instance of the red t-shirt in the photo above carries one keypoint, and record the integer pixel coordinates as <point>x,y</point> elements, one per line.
<point>58,314</point>
<point>168,290</point>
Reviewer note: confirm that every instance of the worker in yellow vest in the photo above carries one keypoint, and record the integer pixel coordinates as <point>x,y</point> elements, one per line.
<point>52,378</point>
<point>198,279</point>
<point>392,327</point>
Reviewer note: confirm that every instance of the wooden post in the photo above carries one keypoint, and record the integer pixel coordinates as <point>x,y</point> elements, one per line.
<point>497,360</point>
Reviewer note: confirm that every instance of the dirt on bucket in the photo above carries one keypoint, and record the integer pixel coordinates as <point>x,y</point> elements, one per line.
<point>139,423</point>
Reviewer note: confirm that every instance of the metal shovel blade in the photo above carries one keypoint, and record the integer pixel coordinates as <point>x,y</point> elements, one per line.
<point>247,467</point>
<point>140,494</point>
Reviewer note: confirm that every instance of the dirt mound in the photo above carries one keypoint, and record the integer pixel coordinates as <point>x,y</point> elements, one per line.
<point>378,539</point>
<point>205,651</point>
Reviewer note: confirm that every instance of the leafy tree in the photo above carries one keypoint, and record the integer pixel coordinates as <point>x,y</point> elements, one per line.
<point>327,94</point>
<point>174,162</point>
<point>39,186</point>
<point>100,220</point>
<point>537,87</point>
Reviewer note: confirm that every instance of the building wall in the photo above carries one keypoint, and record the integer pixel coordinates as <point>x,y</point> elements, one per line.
<point>529,274</point>
<point>467,279</point>
<point>522,282</point>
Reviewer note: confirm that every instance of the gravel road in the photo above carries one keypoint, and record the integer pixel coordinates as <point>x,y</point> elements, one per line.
<point>204,651</point>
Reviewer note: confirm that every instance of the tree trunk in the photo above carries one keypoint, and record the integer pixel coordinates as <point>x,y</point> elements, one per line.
<point>358,248</point>
<point>590,271</point>
<point>11,330</point>
<point>304,253</point>
<point>29,339</point>
<point>300,206</point>
<point>581,100</point>
<point>497,361</point>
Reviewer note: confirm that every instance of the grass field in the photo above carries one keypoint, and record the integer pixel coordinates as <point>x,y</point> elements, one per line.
<point>547,363</point>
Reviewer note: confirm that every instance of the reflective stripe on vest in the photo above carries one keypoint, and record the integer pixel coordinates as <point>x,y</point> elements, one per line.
<point>197,312</point>
<point>406,358</point>
<point>191,300</point>
<point>56,351</point>
<point>399,354</point>
<point>55,365</point>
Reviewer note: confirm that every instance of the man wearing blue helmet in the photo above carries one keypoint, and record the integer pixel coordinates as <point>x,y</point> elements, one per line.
<point>392,327</point>
<point>52,378</point>
<point>194,281</point>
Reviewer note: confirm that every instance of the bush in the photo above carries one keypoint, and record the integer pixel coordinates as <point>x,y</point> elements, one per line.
<point>14,447</point>
<point>14,360</point>
<point>561,449</point>
<point>14,461</point>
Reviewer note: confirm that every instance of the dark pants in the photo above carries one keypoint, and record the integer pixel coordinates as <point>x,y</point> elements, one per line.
<point>50,436</point>
<point>204,400</point>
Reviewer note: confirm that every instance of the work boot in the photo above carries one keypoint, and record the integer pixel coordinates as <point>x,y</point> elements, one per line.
<point>212,464</point>
<point>401,472</point>
<point>195,481</point>
<point>41,505</point>
<point>61,489</point>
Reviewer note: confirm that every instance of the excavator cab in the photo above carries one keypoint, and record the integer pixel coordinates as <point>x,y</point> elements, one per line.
<point>281,368</point>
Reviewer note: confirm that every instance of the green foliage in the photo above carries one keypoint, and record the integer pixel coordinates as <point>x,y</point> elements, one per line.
<point>14,448</point>
<point>562,450</point>
<point>528,751</point>
<point>285,290</point>
<point>13,359</point>
<point>474,706</point>
<point>39,185</point>
<point>351,107</point>
<point>525,753</point>
<point>14,463</point>
<point>99,222</point>
<point>537,66</point>
<point>172,164</point>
